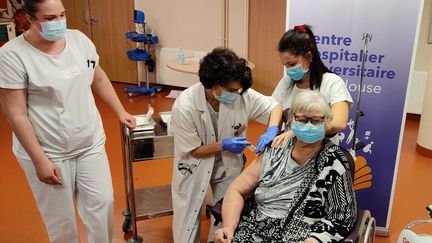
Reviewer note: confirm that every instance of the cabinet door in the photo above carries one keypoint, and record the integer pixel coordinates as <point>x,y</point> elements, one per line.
<point>112,19</point>
<point>78,15</point>
<point>105,22</point>
<point>266,26</point>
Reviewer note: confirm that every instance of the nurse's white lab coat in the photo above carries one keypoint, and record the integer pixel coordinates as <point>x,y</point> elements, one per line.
<point>192,127</point>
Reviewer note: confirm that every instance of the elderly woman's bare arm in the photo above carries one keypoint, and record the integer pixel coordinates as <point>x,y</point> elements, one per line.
<point>242,188</point>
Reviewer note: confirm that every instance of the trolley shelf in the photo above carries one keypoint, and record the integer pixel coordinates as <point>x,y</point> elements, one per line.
<point>159,204</point>
<point>145,203</point>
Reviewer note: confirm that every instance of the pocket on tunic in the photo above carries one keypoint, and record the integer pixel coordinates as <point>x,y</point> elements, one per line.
<point>188,167</point>
<point>78,137</point>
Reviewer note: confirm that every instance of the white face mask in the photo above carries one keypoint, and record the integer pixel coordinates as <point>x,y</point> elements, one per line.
<point>53,30</point>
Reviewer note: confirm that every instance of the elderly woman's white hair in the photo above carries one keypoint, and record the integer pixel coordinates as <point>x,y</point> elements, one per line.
<point>311,100</point>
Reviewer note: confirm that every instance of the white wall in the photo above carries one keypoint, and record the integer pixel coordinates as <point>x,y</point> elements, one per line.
<point>419,79</point>
<point>424,50</point>
<point>194,25</point>
<point>238,26</point>
<point>424,134</point>
<point>191,24</point>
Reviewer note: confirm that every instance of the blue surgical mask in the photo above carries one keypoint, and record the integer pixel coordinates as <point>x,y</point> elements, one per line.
<point>308,133</point>
<point>53,30</point>
<point>296,73</point>
<point>226,97</point>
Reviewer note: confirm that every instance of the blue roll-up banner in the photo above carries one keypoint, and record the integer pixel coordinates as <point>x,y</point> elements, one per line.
<point>339,26</point>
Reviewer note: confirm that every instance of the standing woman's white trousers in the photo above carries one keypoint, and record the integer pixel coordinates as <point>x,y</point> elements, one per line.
<point>86,178</point>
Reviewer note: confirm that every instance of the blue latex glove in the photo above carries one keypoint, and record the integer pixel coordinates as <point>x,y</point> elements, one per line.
<point>235,144</point>
<point>267,138</point>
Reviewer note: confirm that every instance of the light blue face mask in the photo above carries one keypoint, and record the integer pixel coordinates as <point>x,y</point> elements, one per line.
<point>308,133</point>
<point>296,73</point>
<point>53,30</point>
<point>226,97</point>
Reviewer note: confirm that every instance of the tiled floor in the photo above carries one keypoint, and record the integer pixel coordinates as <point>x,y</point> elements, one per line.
<point>20,221</point>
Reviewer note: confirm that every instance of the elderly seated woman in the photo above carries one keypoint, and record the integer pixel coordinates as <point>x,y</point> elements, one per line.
<point>302,191</point>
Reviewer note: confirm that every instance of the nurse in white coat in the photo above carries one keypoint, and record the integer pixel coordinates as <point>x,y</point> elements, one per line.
<point>208,150</point>
<point>46,80</point>
<point>305,70</point>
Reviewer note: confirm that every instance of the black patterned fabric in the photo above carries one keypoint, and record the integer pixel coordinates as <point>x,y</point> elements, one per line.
<point>324,205</point>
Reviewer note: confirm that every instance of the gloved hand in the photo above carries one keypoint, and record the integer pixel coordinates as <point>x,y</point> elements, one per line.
<point>266,138</point>
<point>235,144</point>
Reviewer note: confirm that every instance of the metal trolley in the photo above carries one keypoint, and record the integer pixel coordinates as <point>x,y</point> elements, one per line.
<point>146,203</point>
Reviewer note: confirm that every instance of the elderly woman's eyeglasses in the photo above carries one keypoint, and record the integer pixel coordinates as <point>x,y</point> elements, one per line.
<point>314,120</point>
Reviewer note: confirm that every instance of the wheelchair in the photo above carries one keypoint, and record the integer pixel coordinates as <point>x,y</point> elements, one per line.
<point>364,228</point>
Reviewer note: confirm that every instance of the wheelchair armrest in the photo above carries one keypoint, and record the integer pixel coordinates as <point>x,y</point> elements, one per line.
<point>359,229</point>
<point>356,228</point>
<point>216,210</point>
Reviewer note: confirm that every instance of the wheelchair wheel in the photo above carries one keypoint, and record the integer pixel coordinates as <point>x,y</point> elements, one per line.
<point>361,237</point>
<point>370,231</point>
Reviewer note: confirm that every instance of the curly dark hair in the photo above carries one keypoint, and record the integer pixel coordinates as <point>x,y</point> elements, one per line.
<point>222,66</point>
<point>297,43</point>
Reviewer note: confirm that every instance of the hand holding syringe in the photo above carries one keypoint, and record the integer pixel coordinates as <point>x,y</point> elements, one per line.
<point>240,131</point>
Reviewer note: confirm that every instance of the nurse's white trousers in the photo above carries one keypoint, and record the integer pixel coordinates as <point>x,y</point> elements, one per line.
<point>86,178</point>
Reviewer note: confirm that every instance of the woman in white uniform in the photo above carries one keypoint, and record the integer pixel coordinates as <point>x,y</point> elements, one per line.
<point>207,122</point>
<point>46,80</point>
<point>305,70</point>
